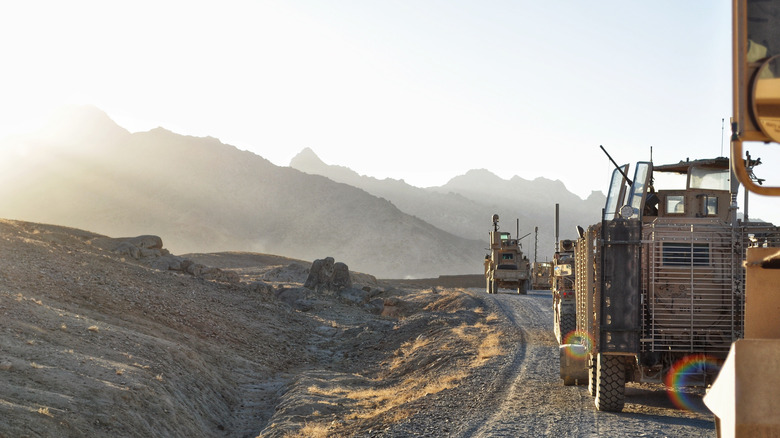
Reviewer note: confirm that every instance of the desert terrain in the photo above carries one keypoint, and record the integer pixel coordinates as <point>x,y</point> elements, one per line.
<point>114,336</point>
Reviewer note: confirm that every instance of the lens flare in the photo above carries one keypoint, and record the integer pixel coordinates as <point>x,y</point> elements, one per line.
<point>578,337</point>
<point>683,373</point>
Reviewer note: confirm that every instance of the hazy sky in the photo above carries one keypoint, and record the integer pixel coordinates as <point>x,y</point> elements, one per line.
<point>409,89</point>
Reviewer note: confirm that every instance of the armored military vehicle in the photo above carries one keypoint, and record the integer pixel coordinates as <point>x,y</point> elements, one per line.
<point>542,276</point>
<point>660,278</point>
<point>505,265</point>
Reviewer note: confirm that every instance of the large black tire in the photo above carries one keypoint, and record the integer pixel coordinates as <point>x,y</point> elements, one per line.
<point>568,324</point>
<point>611,383</point>
<point>522,288</point>
<point>564,324</point>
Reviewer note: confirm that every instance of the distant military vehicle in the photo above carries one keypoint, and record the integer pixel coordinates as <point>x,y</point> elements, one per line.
<point>660,279</point>
<point>564,303</point>
<point>542,276</point>
<point>506,266</point>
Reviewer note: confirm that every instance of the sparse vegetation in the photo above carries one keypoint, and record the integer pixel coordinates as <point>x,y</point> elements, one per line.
<point>436,359</point>
<point>490,347</point>
<point>310,430</point>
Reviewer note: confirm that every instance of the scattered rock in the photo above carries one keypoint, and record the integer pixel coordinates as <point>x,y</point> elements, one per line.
<point>139,247</point>
<point>354,296</point>
<point>261,287</point>
<point>293,272</point>
<point>146,242</point>
<point>328,274</point>
<point>128,249</point>
<point>292,295</point>
<point>168,262</point>
<point>376,306</point>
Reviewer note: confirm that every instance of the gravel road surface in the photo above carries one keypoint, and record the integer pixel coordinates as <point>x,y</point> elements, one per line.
<point>521,394</point>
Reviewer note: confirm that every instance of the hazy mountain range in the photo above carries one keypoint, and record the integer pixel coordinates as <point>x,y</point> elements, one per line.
<point>201,195</point>
<point>464,206</point>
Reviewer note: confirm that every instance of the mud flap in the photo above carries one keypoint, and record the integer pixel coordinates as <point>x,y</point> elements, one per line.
<point>574,363</point>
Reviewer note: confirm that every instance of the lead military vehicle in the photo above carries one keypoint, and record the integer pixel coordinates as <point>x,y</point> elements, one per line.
<point>506,266</point>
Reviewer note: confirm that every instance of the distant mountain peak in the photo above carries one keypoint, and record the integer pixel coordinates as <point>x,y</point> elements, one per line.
<point>474,177</point>
<point>306,159</point>
<point>308,162</point>
<point>481,173</point>
<point>596,195</point>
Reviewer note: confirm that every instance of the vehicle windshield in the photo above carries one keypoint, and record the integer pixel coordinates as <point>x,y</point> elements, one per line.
<point>617,192</point>
<point>703,178</point>
<point>637,195</point>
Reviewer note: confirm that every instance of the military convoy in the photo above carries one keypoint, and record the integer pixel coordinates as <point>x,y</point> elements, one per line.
<point>658,280</point>
<point>505,265</point>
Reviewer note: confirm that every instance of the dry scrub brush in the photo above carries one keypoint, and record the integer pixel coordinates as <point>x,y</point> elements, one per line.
<point>436,360</point>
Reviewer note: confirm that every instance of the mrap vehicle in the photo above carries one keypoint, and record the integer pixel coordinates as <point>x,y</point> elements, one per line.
<point>505,265</point>
<point>660,278</point>
<point>542,276</point>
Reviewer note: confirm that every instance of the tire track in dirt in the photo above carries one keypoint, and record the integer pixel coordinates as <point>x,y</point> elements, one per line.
<point>530,399</point>
<point>533,401</point>
<point>501,387</point>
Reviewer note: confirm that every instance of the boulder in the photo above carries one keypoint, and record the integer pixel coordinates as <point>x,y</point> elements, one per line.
<point>146,246</point>
<point>128,249</point>
<point>146,241</point>
<point>168,263</point>
<point>327,274</point>
<point>354,296</point>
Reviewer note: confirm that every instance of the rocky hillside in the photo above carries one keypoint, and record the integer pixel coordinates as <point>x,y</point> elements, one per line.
<point>466,203</point>
<point>201,195</point>
<point>107,336</point>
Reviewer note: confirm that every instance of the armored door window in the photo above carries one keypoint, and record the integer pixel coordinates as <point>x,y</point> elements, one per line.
<point>709,205</point>
<point>712,206</point>
<point>616,194</point>
<point>507,261</point>
<point>636,197</point>
<point>675,204</point>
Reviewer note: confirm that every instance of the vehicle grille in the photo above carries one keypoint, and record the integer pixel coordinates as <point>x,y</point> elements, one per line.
<point>693,284</point>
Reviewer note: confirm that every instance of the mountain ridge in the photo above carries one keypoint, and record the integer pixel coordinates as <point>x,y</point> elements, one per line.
<point>201,195</point>
<point>465,204</point>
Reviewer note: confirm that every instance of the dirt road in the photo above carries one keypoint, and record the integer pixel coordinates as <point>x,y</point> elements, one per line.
<point>527,397</point>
